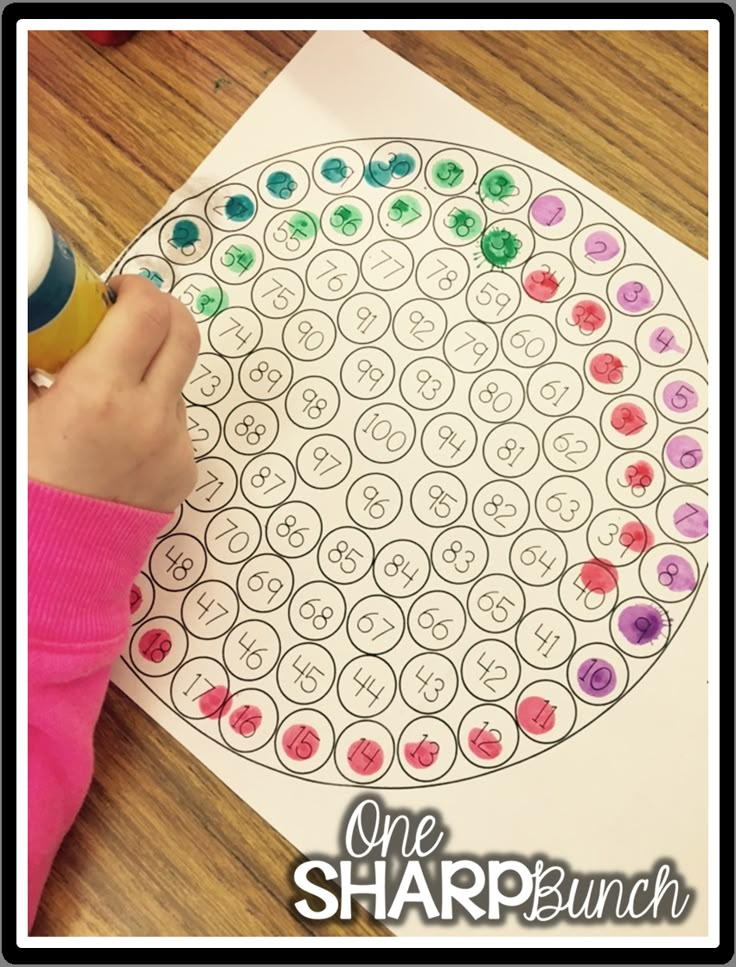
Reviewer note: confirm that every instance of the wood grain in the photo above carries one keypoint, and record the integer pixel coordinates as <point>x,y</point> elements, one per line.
<point>161,847</point>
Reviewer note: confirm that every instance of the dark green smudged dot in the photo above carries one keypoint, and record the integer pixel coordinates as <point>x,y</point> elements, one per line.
<point>346,219</point>
<point>210,301</point>
<point>335,170</point>
<point>280,184</point>
<point>303,225</point>
<point>497,185</point>
<point>185,233</point>
<point>447,173</point>
<point>379,173</point>
<point>239,208</point>
<point>499,247</point>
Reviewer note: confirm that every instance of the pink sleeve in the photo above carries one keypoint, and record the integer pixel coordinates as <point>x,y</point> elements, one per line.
<point>83,556</point>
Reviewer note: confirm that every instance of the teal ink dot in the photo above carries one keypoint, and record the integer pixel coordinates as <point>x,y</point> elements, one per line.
<point>239,208</point>
<point>280,184</point>
<point>463,224</point>
<point>447,173</point>
<point>185,233</point>
<point>303,225</point>
<point>497,185</point>
<point>346,219</point>
<point>499,247</point>
<point>152,277</point>
<point>335,170</point>
<point>210,301</point>
<point>379,173</point>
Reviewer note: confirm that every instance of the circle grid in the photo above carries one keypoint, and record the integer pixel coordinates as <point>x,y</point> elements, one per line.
<point>460,325</point>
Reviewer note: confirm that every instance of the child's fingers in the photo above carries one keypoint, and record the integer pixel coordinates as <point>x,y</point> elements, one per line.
<point>170,368</point>
<point>131,333</point>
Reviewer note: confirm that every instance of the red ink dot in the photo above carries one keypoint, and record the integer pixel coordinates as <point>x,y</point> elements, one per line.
<point>606,368</point>
<point>540,285</point>
<point>535,715</point>
<point>300,742</point>
<point>628,419</point>
<point>245,720</point>
<point>588,316</point>
<point>599,575</point>
<point>216,702</point>
<point>636,536</point>
<point>135,599</point>
<point>421,755</point>
<point>365,757</point>
<point>155,645</point>
<point>484,744</point>
<point>639,475</point>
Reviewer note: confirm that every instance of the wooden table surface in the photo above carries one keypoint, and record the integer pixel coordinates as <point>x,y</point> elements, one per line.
<point>161,847</point>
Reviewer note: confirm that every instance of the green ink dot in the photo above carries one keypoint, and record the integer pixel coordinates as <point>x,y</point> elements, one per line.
<point>463,223</point>
<point>335,170</point>
<point>239,208</point>
<point>380,173</point>
<point>346,219</point>
<point>447,173</point>
<point>238,259</point>
<point>404,210</point>
<point>499,247</point>
<point>185,233</point>
<point>210,301</point>
<point>280,184</point>
<point>303,225</point>
<point>497,185</point>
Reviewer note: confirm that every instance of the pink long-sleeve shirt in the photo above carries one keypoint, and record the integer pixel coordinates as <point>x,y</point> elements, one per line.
<point>83,556</point>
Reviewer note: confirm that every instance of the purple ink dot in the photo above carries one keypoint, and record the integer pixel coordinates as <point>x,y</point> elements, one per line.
<point>601,246</point>
<point>597,677</point>
<point>691,520</point>
<point>641,624</point>
<point>680,396</point>
<point>634,297</point>
<point>676,574</point>
<point>548,210</point>
<point>684,452</point>
<point>663,340</point>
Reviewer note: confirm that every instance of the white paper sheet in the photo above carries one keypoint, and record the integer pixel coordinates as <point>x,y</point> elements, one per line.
<point>419,331</point>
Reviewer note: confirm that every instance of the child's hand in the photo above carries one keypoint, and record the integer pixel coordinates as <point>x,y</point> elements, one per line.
<point>113,425</point>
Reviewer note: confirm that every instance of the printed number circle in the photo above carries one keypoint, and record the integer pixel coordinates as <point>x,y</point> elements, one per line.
<point>427,749</point>
<point>459,555</point>
<point>267,480</point>
<point>251,650</point>
<point>374,501</point>
<point>364,751</point>
<point>546,711</point>
<point>304,741</point>
<point>250,721</point>
<point>598,674</point>
<point>200,689</point>
<point>158,647</point>
<point>316,610</point>
<point>375,624</point>
<point>436,620</point>
<point>445,379</point>
<point>152,267</point>
<point>306,673</point>
<point>429,683</point>
<point>488,736</point>
<point>209,610</point>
